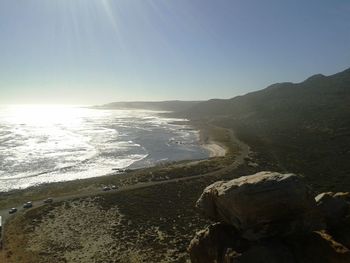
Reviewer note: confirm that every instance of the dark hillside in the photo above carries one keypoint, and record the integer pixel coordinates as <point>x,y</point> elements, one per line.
<point>303,127</point>
<point>317,92</point>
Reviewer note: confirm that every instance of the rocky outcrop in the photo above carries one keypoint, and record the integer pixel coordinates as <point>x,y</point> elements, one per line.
<point>262,205</point>
<point>271,217</point>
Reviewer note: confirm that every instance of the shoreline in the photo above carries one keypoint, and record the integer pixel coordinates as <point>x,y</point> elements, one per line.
<point>154,173</point>
<point>205,141</point>
<point>156,186</point>
<point>206,150</point>
<point>214,148</point>
<point>212,138</point>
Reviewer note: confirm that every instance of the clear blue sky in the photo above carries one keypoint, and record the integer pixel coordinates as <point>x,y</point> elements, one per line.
<point>98,51</point>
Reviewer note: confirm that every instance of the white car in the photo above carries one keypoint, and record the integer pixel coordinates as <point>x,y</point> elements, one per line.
<point>12,210</point>
<point>28,205</point>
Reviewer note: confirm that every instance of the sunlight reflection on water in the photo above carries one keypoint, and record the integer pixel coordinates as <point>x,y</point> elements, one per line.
<point>50,143</point>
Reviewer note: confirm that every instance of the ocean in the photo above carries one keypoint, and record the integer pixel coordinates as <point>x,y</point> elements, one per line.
<point>44,144</point>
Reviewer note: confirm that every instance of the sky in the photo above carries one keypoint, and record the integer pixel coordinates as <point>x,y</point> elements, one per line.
<point>100,51</point>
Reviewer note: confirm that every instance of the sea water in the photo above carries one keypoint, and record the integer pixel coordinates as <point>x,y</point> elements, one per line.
<point>43,144</point>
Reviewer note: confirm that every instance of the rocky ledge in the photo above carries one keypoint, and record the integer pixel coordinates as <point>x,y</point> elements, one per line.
<point>271,217</point>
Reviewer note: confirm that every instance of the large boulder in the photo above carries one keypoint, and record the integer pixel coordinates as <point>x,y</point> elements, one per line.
<point>262,205</point>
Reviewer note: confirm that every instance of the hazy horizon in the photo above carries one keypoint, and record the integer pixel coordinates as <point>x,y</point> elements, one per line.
<point>92,52</point>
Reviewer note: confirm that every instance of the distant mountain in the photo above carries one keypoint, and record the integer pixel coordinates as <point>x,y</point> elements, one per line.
<point>304,127</point>
<point>173,105</point>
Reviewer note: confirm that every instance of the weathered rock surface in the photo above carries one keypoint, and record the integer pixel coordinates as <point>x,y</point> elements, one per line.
<point>333,207</point>
<point>210,244</point>
<point>271,217</point>
<point>318,247</point>
<point>311,247</point>
<point>262,205</point>
<point>341,232</point>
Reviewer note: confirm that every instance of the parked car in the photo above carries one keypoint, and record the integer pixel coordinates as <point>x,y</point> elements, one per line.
<point>48,200</point>
<point>114,187</point>
<point>28,205</point>
<point>12,210</point>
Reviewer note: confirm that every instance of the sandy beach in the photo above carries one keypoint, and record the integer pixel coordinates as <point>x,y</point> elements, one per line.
<point>215,150</point>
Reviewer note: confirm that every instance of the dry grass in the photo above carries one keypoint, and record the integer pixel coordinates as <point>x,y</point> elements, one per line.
<point>154,224</point>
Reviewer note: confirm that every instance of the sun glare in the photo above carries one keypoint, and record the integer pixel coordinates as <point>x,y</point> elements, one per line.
<point>42,115</point>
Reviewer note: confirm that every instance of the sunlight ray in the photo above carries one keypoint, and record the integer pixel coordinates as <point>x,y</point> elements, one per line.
<point>114,20</point>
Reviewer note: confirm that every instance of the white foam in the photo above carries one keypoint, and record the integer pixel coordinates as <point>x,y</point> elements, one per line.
<point>75,143</point>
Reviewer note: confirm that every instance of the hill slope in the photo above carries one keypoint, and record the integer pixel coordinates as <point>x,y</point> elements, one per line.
<point>317,92</point>
<point>302,127</point>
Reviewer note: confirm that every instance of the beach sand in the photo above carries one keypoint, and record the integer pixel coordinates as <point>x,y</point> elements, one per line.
<point>215,150</point>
